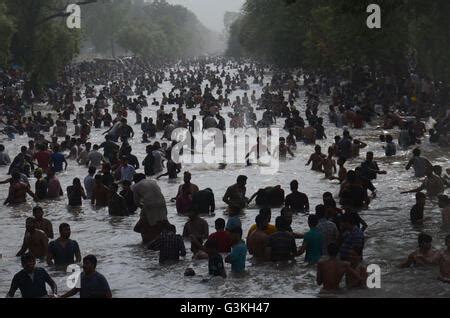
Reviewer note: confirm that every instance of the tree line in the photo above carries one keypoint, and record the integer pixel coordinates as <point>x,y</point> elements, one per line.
<point>327,35</point>
<point>35,37</point>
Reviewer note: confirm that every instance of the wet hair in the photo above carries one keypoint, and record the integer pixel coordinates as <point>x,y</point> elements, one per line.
<point>27,257</point>
<point>281,224</point>
<point>313,220</point>
<point>320,211</point>
<point>241,178</point>
<point>63,226</point>
<point>285,211</point>
<point>266,212</point>
<point>30,219</point>
<point>389,138</point>
<point>171,228</point>
<point>420,195</point>
<point>437,169</point>
<point>333,250</point>
<point>92,170</point>
<point>91,259</point>
<point>2,148</point>
<point>424,238</point>
<point>219,224</point>
<point>351,176</point>
<point>417,152</point>
<point>37,208</point>
<point>259,220</point>
<point>294,184</point>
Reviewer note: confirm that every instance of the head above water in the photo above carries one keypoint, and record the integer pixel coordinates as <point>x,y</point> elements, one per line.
<point>242,180</point>
<point>424,241</point>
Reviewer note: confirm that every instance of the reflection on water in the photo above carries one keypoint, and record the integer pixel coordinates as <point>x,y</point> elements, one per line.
<point>133,271</point>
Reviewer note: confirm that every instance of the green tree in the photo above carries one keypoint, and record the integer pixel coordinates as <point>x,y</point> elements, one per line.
<point>41,43</point>
<point>7,29</point>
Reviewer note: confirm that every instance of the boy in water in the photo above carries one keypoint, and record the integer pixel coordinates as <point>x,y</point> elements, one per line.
<point>216,266</point>
<point>238,252</point>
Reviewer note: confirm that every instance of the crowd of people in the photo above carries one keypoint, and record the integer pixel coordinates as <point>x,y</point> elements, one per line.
<point>335,240</point>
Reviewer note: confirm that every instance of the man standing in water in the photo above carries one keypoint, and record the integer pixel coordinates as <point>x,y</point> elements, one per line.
<point>433,184</point>
<point>330,272</point>
<point>42,223</point>
<point>235,194</point>
<point>297,201</point>
<point>35,241</point>
<point>369,168</point>
<point>18,191</point>
<point>317,159</point>
<point>31,280</point>
<point>148,196</point>
<point>63,251</point>
<point>93,284</point>
<point>420,164</point>
<point>424,255</point>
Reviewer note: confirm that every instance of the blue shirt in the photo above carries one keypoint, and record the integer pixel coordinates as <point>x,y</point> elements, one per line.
<point>64,255</point>
<point>238,256</point>
<point>352,240</point>
<point>31,288</point>
<point>58,160</point>
<point>94,286</point>
<point>314,244</point>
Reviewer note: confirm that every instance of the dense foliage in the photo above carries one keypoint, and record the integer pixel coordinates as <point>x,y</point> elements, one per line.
<point>155,31</point>
<point>328,34</point>
<point>34,36</point>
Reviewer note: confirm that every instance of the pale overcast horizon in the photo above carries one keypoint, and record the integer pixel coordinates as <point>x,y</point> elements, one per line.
<point>211,12</point>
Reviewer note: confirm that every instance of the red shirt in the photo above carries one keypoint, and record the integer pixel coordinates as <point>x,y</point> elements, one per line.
<point>223,241</point>
<point>43,159</point>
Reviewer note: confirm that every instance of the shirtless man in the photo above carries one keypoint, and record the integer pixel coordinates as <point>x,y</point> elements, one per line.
<point>42,223</point>
<point>444,262</point>
<point>424,255</point>
<point>329,164</point>
<point>18,191</point>
<point>284,149</point>
<point>330,272</point>
<point>317,159</point>
<point>36,241</point>
<point>433,184</point>
<point>100,193</point>
<point>342,173</point>
<point>235,194</point>
<point>309,135</point>
<point>355,263</point>
<point>257,241</point>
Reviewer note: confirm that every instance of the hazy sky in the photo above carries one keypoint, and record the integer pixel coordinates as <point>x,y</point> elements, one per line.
<point>210,12</point>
